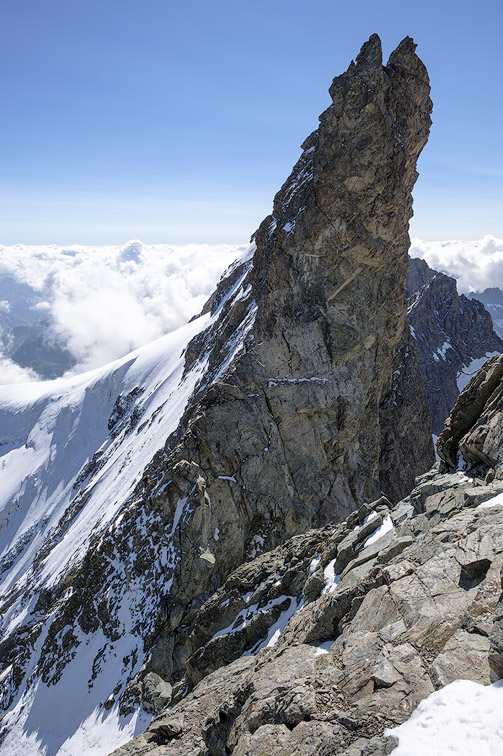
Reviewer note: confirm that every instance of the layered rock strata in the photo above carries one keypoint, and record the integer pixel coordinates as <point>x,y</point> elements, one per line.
<point>319,645</point>
<point>452,333</point>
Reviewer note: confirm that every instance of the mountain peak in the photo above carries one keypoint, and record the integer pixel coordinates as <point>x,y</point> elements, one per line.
<point>287,404</point>
<point>370,54</point>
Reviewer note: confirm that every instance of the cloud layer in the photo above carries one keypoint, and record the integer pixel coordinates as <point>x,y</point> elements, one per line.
<point>477,265</point>
<point>103,302</point>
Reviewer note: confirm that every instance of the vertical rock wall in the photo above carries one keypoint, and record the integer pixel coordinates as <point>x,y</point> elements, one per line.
<point>308,401</point>
<point>325,407</point>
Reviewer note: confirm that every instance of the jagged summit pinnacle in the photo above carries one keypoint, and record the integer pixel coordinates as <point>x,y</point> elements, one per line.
<point>292,400</point>
<point>370,53</point>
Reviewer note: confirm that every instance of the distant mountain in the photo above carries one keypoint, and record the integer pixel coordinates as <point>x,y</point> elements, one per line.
<point>25,334</point>
<point>492,299</point>
<point>454,335</point>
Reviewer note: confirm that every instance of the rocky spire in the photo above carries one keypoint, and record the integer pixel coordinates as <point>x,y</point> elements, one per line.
<point>324,407</point>
<point>307,402</point>
<point>330,270</point>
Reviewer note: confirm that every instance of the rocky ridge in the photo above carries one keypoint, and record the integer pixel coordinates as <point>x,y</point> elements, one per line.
<point>319,645</point>
<point>300,389</point>
<point>453,334</point>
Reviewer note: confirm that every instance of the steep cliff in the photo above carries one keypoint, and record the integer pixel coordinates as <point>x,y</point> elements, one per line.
<point>295,400</point>
<point>454,335</point>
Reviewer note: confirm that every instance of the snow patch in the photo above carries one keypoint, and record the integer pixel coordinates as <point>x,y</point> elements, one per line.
<point>314,563</point>
<point>331,579</point>
<point>322,648</point>
<point>463,718</point>
<point>468,371</point>
<point>496,501</point>
<point>386,527</point>
<point>275,630</point>
<point>441,351</point>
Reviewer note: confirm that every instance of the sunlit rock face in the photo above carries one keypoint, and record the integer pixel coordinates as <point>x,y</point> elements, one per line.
<point>291,401</point>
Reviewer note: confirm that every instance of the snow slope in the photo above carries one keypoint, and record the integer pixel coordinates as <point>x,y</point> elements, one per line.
<point>72,455</point>
<point>463,718</point>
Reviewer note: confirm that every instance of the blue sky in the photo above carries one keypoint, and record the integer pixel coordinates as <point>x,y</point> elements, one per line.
<point>177,122</point>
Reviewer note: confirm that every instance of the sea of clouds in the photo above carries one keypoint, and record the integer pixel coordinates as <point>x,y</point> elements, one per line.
<point>476,265</point>
<point>103,302</point>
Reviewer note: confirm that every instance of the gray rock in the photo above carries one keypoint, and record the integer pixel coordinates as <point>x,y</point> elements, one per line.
<point>427,613</point>
<point>156,692</point>
<point>496,641</point>
<point>473,427</point>
<point>450,330</point>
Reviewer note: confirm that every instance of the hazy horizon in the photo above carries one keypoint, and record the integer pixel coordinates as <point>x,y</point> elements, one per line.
<point>105,301</point>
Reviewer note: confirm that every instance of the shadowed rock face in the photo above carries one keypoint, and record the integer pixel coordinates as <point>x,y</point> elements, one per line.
<point>450,330</point>
<point>309,401</point>
<point>325,407</point>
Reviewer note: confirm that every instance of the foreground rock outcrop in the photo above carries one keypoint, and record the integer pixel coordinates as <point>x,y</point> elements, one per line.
<point>474,432</point>
<point>453,334</point>
<point>318,646</point>
<point>296,400</point>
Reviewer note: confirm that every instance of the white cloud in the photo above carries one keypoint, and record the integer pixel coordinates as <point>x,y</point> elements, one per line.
<point>105,301</point>
<point>477,265</point>
<point>12,373</point>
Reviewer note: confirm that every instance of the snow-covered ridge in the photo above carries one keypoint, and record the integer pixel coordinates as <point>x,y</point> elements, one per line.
<point>72,456</point>
<point>51,431</point>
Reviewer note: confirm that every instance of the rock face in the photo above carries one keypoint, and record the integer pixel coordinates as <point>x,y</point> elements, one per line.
<point>474,427</point>
<point>315,417</point>
<point>492,299</point>
<point>319,645</point>
<point>453,335</point>
<point>304,402</point>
